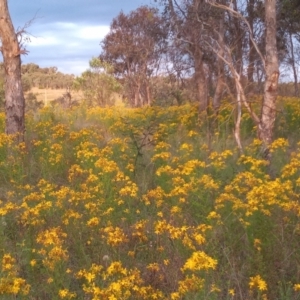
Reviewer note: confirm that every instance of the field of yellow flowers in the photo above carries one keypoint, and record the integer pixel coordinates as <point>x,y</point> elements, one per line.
<point>151,203</point>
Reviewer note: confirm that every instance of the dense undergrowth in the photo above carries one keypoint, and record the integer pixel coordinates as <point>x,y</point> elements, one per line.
<point>152,203</point>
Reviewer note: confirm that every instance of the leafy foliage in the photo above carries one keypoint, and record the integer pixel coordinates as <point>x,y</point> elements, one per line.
<point>98,83</point>
<point>134,47</point>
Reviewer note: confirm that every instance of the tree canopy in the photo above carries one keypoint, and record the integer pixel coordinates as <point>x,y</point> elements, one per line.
<point>134,47</point>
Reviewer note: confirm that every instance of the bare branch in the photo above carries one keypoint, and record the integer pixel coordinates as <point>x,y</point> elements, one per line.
<point>23,35</point>
<point>237,78</point>
<point>237,127</point>
<point>238,15</point>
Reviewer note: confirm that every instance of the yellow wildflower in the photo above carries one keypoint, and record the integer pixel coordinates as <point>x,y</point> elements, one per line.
<point>296,287</point>
<point>257,282</point>
<point>200,261</point>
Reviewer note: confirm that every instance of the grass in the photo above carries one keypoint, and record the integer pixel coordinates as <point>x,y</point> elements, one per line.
<point>117,203</point>
<point>48,95</point>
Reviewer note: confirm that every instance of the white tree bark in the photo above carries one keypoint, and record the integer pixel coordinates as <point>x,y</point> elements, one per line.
<point>268,110</point>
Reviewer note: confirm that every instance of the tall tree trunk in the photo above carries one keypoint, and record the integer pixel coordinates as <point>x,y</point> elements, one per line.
<point>216,101</point>
<point>201,80</point>
<point>136,93</point>
<point>14,97</point>
<point>296,92</point>
<point>252,51</point>
<point>239,42</point>
<point>268,111</point>
<point>148,94</point>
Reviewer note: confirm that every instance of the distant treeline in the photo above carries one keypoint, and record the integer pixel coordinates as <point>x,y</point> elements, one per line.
<point>163,92</point>
<point>35,76</point>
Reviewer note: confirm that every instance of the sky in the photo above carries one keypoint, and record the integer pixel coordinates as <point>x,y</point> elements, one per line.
<point>67,33</point>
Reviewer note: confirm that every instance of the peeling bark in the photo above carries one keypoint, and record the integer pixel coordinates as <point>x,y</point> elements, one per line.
<point>268,110</point>
<point>266,121</point>
<point>14,97</point>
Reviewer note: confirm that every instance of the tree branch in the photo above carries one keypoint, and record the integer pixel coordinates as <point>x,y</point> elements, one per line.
<point>241,17</point>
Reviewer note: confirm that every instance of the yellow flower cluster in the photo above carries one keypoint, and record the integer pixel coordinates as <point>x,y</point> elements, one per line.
<point>257,282</point>
<point>10,282</point>
<point>119,203</point>
<point>200,261</point>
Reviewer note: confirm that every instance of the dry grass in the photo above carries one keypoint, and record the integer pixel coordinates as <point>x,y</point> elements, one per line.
<point>48,95</point>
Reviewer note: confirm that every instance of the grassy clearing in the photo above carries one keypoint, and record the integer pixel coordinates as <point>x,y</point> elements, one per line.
<point>48,95</point>
<point>120,203</point>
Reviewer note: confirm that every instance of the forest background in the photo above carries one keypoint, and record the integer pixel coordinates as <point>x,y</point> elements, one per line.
<point>167,57</point>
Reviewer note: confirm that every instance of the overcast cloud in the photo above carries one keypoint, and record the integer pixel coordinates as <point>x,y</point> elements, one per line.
<point>67,33</point>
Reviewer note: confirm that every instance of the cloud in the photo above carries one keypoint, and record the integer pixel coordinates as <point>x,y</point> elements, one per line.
<point>67,33</point>
<point>64,34</point>
<point>44,41</point>
<point>67,45</point>
<point>93,32</point>
<point>93,11</point>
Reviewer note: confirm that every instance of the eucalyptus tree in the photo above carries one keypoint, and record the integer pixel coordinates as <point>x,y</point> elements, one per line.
<point>11,52</point>
<point>98,83</point>
<point>196,26</point>
<point>269,60</point>
<point>289,23</point>
<point>134,47</point>
<point>188,25</point>
<point>271,64</point>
